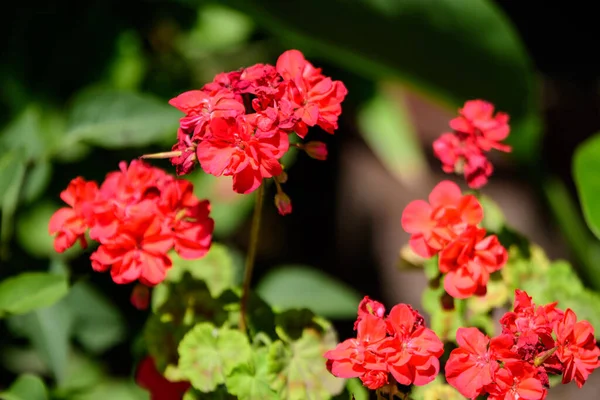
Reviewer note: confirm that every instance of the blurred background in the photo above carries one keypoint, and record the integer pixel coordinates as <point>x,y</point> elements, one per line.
<point>84,85</point>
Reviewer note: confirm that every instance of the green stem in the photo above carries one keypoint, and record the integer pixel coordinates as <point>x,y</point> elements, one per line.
<point>254,232</point>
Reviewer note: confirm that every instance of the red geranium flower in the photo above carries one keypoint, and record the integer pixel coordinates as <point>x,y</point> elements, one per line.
<point>435,224</point>
<point>148,377</point>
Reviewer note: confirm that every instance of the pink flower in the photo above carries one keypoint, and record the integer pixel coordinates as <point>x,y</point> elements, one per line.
<point>468,261</point>
<point>315,98</point>
<point>477,120</point>
<point>435,224</point>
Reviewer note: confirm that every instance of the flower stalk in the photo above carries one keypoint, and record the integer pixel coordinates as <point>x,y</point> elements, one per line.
<point>251,256</point>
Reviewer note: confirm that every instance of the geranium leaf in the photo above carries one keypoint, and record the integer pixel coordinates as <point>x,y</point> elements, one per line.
<point>31,290</point>
<point>251,381</point>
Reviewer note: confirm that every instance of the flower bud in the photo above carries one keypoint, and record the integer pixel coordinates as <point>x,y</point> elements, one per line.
<point>316,150</point>
<point>140,297</point>
<point>283,203</point>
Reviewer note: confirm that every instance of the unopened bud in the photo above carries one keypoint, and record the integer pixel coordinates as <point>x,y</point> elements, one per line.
<point>316,150</point>
<point>283,203</point>
<point>140,297</point>
<point>282,177</point>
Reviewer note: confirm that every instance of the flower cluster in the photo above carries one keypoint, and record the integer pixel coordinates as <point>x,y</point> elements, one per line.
<point>447,226</point>
<point>138,215</point>
<point>398,344</point>
<point>238,125</point>
<point>535,342</point>
<point>149,378</point>
<point>476,131</point>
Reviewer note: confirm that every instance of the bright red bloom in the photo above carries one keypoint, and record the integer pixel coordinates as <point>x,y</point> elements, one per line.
<point>399,344</point>
<point>577,348</point>
<point>468,261</point>
<point>148,377</point>
<point>138,215</point>
<point>476,132</point>
<point>477,120</point>
<point>200,108</point>
<point>433,225</point>
<point>517,380</point>
<point>70,223</point>
<point>234,147</point>
<point>414,350</point>
<point>315,98</point>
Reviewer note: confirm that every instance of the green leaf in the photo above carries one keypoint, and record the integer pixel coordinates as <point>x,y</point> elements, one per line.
<point>32,232</point>
<point>357,390</point>
<point>208,354</point>
<point>185,304</point>
<point>299,367</point>
<point>251,382</point>
<point>386,127</point>
<point>114,119</point>
<point>296,286</point>
<point>493,217</point>
<point>441,49</point>
<point>24,135</point>
<point>37,180</point>
<point>586,163</point>
<point>98,324</point>
<point>26,387</point>
<point>215,268</point>
<point>31,290</point>
<point>49,331</point>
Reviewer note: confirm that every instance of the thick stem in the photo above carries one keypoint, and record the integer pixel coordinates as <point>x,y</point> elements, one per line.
<point>254,232</point>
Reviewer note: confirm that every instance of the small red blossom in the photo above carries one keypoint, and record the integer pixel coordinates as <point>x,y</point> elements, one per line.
<point>398,344</point>
<point>468,261</point>
<point>433,225</point>
<point>577,348</point>
<point>138,215</point>
<point>140,297</point>
<point>238,125</point>
<point>476,131</point>
<point>70,223</point>
<point>234,147</point>
<point>148,377</point>
<point>283,203</point>
<point>536,341</point>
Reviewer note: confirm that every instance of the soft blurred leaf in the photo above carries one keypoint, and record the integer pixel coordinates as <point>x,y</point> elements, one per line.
<point>386,127</point>
<point>129,66</point>
<point>298,366</point>
<point>251,381</point>
<point>208,354</point>
<point>217,29</point>
<point>228,208</point>
<point>9,170</point>
<point>356,389</point>
<point>296,286</point>
<point>26,387</point>
<point>113,389</point>
<point>24,135</point>
<point>493,217</point>
<point>586,164</point>
<point>215,268</point>
<point>98,324</point>
<point>48,330</point>
<point>439,47</point>
<point>37,180</point>
<point>31,290</point>
<point>436,390</point>
<point>32,231</point>
<point>114,119</point>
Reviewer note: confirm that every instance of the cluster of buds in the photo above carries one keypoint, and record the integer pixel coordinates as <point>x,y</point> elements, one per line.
<point>398,345</point>
<point>239,124</point>
<point>535,342</point>
<point>476,131</point>
<point>448,226</point>
<point>138,214</point>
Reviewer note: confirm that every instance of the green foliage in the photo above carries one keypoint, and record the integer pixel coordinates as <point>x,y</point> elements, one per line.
<point>26,387</point>
<point>114,119</point>
<point>29,291</point>
<point>493,217</point>
<point>294,286</point>
<point>208,354</point>
<point>297,358</point>
<point>386,128</point>
<point>252,381</point>
<point>586,165</point>
<point>464,39</point>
